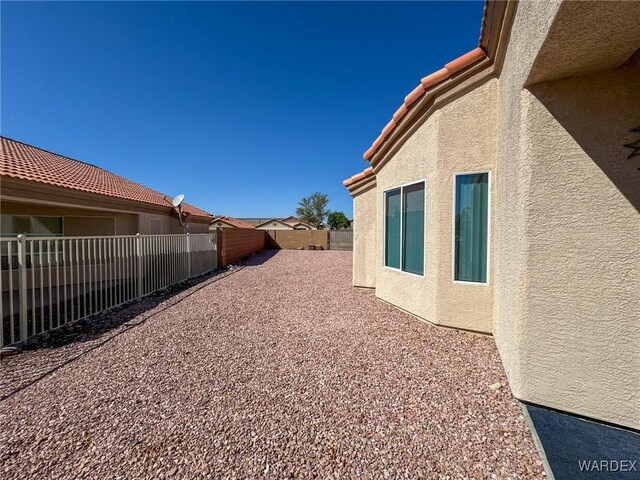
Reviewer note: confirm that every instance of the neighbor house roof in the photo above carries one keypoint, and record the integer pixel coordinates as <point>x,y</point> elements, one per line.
<point>26,162</point>
<point>294,225</point>
<point>277,220</point>
<point>291,219</point>
<point>234,222</point>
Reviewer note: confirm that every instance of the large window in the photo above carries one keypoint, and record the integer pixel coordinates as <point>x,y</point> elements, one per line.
<point>11,225</point>
<point>471,227</point>
<point>404,228</point>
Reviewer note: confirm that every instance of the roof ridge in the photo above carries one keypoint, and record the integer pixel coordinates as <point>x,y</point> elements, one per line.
<point>57,154</point>
<point>124,180</point>
<point>429,82</point>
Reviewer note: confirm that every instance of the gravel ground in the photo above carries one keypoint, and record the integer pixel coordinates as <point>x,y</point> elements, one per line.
<point>280,369</point>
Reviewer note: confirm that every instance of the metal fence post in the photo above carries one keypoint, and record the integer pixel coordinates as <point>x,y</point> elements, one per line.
<point>22,285</point>
<point>139,255</point>
<point>189,255</point>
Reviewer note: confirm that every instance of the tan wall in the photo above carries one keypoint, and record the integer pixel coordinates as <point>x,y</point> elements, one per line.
<point>215,225</point>
<point>456,139</point>
<point>170,225</point>
<point>567,311</point>
<point>78,222</point>
<point>528,32</point>
<point>86,222</point>
<point>297,239</point>
<point>364,238</point>
<point>237,243</point>
<point>277,226</point>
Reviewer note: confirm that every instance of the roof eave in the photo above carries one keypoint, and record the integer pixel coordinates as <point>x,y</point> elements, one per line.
<point>495,31</point>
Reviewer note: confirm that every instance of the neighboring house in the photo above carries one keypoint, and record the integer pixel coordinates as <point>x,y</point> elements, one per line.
<point>503,197</point>
<point>302,226</point>
<point>229,222</point>
<point>297,223</point>
<point>274,224</point>
<point>44,193</point>
<point>294,222</point>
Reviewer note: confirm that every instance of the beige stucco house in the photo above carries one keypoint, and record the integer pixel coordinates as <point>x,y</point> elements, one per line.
<point>503,197</point>
<point>229,222</point>
<point>277,223</point>
<point>43,193</point>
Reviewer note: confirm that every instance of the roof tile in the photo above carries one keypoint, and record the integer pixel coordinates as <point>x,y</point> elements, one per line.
<point>400,112</point>
<point>464,61</point>
<point>26,162</point>
<point>436,78</point>
<point>414,95</point>
<point>367,172</point>
<point>236,222</point>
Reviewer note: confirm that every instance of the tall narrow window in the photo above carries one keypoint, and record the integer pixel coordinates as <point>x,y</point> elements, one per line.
<point>404,228</point>
<point>471,227</point>
<point>392,229</point>
<point>413,228</point>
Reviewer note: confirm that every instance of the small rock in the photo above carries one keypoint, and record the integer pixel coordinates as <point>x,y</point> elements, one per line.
<point>495,386</point>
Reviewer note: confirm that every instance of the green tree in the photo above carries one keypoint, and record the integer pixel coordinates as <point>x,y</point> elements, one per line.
<point>313,209</point>
<point>338,221</point>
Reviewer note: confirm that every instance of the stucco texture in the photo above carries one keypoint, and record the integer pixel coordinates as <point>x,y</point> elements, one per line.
<point>582,317</point>
<point>364,238</point>
<point>458,138</point>
<point>567,316</point>
<point>564,259</point>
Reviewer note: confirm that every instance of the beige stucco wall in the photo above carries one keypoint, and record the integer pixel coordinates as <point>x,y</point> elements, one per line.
<point>364,238</point>
<point>85,222</point>
<point>530,26</point>
<point>567,314</point>
<point>77,222</point>
<point>170,225</point>
<point>458,138</point>
<point>274,226</point>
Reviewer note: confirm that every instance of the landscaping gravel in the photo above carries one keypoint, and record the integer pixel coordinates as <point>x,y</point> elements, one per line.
<point>280,369</point>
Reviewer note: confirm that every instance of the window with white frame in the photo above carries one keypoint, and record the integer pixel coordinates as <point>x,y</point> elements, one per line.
<point>404,228</point>
<point>471,227</point>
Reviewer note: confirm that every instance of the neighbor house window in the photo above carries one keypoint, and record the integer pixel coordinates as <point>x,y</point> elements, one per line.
<point>471,227</point>
<point>404,228</point>
<point>11,225</point>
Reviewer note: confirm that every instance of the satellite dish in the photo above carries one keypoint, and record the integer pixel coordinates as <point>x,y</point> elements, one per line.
<point>177,200</point>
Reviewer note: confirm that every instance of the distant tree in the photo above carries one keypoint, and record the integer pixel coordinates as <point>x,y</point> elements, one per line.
<point>313,209</point>
<point>338,221</point>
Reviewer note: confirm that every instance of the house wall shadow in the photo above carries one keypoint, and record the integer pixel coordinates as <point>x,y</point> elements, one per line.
<point>601,111</point>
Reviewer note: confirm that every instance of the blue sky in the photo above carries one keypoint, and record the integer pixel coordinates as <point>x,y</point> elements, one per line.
<point>244,107</point>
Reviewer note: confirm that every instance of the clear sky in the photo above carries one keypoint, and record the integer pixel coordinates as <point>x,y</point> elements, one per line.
<point>244,107</point>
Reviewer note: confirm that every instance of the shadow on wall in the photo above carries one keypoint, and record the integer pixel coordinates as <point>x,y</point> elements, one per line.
<point>601,111</point>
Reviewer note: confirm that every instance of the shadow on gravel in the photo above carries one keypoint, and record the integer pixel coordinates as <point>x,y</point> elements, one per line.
<point>45,353</point>
<point>258,258</point>
<point>96,326</point>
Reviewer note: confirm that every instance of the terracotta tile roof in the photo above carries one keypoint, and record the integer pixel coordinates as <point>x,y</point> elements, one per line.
<point>291,219</point>
<point>26,162</point>
<point>294,225</point>
<point>367,172</point>
<point>233,221</point>
<point>275,220</point>
<point>429,82</point>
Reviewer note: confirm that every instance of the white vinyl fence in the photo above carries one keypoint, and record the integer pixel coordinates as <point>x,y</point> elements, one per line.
<point>49,281</point>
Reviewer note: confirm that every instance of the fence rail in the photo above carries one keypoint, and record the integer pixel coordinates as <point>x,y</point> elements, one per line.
<point>49,281</point>
<point>341,239</point>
